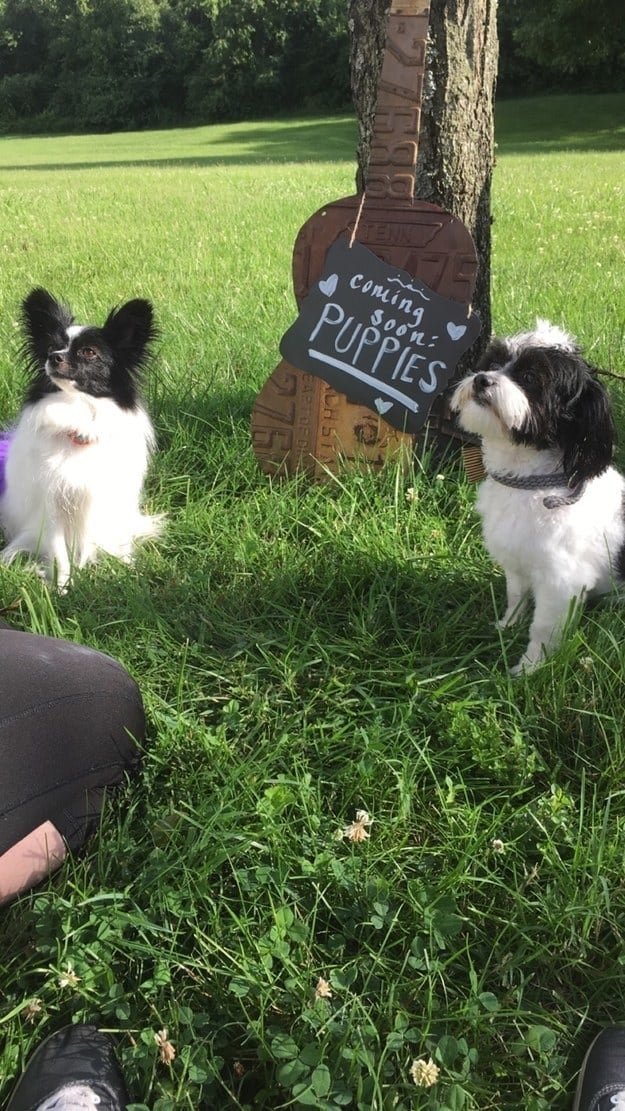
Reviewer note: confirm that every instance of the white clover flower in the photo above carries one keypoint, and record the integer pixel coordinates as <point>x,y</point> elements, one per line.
<point>357,831</point>
<point>323,989</point>
<point>69,978</point>
<point>31,1010</point>
<point>166,1050</point>
<point>424,1073</point>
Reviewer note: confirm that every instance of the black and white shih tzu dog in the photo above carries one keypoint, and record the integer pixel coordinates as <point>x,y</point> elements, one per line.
<point>72,467</point>
<point>552,507</point>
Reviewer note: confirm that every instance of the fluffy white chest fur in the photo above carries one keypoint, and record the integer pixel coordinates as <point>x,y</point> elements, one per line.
<point>574,542</point>
<point>74,477</point>
<point>552,508</point>
<point>552,555</point>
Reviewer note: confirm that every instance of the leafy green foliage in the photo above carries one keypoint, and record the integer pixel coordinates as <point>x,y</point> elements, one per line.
<point>110,64</point>
<point>565,45</point>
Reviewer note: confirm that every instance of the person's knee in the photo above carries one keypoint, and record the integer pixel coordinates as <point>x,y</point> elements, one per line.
<point>131,730</point>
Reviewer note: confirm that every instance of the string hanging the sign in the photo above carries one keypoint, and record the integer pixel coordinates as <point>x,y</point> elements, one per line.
<point>357,221</point>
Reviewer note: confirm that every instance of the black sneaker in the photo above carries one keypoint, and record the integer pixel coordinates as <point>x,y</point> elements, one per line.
<point>74,1069</point>
<point>601,1084</point>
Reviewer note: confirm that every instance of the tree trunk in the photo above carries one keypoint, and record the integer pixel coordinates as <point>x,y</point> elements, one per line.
<point>456,146</point>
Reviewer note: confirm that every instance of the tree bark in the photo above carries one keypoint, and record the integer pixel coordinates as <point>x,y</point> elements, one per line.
<point>456,144</point>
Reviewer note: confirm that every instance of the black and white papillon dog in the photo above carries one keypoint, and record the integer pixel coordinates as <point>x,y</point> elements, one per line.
<point>72,467</point>
<point>552,507</point>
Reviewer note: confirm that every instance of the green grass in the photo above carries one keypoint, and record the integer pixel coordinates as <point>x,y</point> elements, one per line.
<point>305,651</point>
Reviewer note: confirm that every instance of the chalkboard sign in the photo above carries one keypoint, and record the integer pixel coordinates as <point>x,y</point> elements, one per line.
<point>378,335</point>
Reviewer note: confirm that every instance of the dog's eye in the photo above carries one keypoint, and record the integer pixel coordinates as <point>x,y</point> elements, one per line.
<point>525,376</point>
<point>88,352</point>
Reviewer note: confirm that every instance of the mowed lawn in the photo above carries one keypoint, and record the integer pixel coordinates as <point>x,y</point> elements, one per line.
<point>306,651</point>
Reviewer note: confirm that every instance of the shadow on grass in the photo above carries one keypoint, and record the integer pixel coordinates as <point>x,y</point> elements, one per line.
<point>308,600</point>
<point>326,140</point>
<point>364,623</point>
<point>280,591</point>
<point>548,125</point>
<point>214,405</point>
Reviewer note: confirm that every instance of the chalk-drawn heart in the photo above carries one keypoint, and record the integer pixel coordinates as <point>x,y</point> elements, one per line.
<point>383,406</point>
<point>330,284</point>
<point>456,331</point>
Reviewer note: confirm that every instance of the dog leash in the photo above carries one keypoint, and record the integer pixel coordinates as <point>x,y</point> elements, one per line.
<point>542,482</point>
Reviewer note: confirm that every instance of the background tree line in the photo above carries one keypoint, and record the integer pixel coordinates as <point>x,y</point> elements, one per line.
<point>116,64</point>
<point>109,64</point>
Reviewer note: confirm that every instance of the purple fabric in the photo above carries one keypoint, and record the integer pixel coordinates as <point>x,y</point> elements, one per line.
<point>5,442</point>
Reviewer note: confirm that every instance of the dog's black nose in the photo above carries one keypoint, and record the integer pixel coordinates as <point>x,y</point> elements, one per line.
<point>482,381</point>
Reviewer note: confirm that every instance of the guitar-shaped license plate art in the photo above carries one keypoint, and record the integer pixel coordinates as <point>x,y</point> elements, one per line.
<point>318,419</point>
<point>379,336</point>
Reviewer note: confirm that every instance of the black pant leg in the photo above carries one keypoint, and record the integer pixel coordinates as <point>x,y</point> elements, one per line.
<point>70,718</point>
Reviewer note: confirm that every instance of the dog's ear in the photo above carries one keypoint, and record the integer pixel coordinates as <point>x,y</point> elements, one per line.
<point>45,322</point>
<point>586,432</point>
<point>130,330</point>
